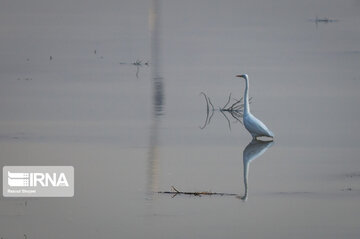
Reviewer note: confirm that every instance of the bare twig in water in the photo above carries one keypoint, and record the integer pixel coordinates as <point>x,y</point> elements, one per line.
<point>227,102</point>
<point>212,111</point>
<point>212,106</point>
<point>176,192</point>
<point>207,101</point>
<point>207,111</point>
<point>233,106</point>
<point>208,115</point>
<point>138,63</point>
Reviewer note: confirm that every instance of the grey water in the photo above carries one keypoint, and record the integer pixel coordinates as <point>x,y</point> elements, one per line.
<point>71,95</point>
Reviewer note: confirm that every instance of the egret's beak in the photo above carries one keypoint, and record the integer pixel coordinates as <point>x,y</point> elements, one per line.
<point>242,76</point>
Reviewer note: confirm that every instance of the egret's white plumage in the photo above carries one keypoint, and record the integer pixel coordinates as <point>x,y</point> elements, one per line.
<point>255,127</point>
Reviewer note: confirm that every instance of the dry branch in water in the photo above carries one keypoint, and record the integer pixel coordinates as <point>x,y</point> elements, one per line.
<point>176,192</point>
<point>137,63</point>
<point>234,107</point>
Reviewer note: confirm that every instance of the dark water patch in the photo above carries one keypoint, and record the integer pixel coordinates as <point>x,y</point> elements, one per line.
<point>353,175</point>
<point>355,52</point>
<point>299,193</point>
<point>333,194</point>
<point>13,137</point>
<point>348,189</point>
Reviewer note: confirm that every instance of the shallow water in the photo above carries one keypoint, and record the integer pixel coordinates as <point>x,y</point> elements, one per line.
<point>131,131</point>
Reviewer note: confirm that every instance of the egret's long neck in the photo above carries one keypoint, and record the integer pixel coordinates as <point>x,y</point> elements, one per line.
<point>246,97</point>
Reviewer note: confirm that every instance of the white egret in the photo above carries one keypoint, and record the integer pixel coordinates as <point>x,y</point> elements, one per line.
<point>255,127</point>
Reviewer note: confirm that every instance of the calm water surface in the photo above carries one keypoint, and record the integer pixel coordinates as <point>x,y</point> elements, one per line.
<point>131,131</point>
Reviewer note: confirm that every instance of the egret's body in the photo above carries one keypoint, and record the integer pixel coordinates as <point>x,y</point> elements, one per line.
<point>255,127</point>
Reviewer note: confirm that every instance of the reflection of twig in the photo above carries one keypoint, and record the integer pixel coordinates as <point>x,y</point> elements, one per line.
<point>226,119</point>
<point>176,192</point>
<point>207,111</point>
<point>212,111</point>
<point>137,71</point>
<point>235,109</point>
<point>138,64</point>
<point>211,104</point>
<point>208,115</point>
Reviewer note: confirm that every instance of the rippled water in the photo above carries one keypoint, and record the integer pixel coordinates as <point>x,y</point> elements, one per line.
<point>71,95</point>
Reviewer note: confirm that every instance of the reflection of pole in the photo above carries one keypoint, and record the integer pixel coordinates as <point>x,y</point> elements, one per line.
<point>158,97</point>
<point>155,35</point>
<point>153,160</point>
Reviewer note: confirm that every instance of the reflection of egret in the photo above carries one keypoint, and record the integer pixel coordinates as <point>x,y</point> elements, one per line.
<point>253,150</point>
<point>255,127</point>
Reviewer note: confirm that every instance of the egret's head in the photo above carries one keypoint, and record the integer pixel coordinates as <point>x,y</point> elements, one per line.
<point>245,76</point>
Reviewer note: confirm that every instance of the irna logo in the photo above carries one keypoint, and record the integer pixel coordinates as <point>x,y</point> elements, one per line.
<point>38,181</point>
